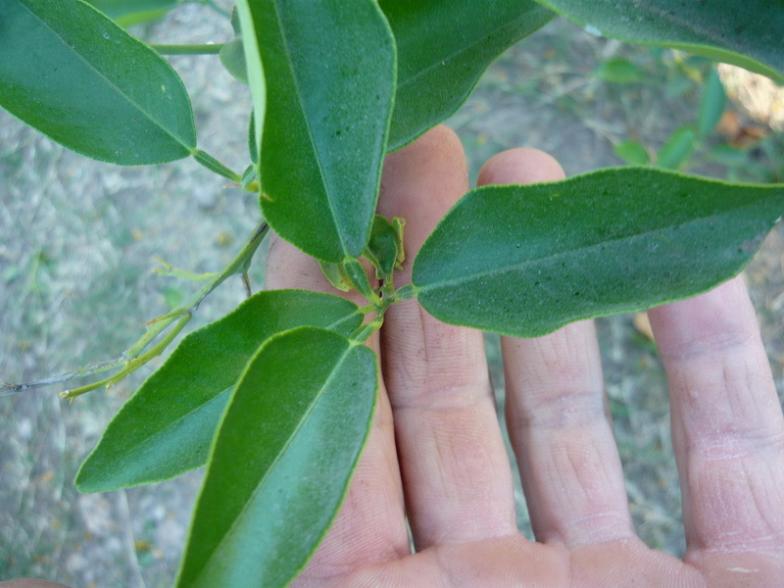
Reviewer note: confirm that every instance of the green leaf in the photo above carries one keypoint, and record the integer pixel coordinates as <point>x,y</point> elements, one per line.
<point>444,46</point>
<point>677,149</point>
<point>714,101</point>
<point>619,71</point>
<point>167,425</point>
<point>357,276</point>
<point>250,30</point>
<point>526,260</point>
<point>336,276</point>
<point>235,21</point>
<point>253,147</point>
<point>385,249</point>
<point>729,155</point>
<point>282,460</point>
<point>747,33</point>
<point>232,56</point>
<point>325,132</point>
<point>76,76</point>
<point>632,152</point>
<point>132,12</point>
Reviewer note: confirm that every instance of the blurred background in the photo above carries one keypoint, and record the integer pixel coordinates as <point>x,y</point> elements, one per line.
<point>85,247</point>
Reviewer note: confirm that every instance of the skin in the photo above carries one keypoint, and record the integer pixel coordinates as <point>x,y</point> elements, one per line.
<point>435,457</point>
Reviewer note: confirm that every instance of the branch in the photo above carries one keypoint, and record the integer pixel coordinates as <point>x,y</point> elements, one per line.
<point>145,348</point>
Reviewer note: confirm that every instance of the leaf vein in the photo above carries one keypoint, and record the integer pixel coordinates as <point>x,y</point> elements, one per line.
<point>108,81</point>
<point>522,264</point>
<point>260,484</point>
<point>308,127</point>
<point>459,53</point>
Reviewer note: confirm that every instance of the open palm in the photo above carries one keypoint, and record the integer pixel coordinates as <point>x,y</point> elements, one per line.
<point>436,458</point>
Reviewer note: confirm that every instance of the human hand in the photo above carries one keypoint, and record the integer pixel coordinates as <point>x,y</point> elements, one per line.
<point>436,456</point>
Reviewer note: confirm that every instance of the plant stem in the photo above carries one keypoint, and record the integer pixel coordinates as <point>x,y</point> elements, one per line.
<point>132,365</point>
<point>239,265</point>
<point>136,356</point>
<point>216,166</point>
<point>247,284</point>
<point>197,49</point>
<point>154,328</point>
<point>364,332</point>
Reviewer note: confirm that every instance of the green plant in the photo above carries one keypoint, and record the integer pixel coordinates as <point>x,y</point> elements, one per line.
<point>686,140</point>
<point>350,81</point>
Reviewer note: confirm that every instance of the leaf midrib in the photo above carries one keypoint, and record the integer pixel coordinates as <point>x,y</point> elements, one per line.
<point>158,432</point>
<point>692,27</point>
<point>748,53</point>
<point>459,53</point>
<point>106,80</point>
<point>260,484</point>
<point>569,252</point>
<point>308,128</point>
<point>150,439</point>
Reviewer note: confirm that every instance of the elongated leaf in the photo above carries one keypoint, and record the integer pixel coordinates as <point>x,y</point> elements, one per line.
<point>247,22</point>
<point>325,132</point>
<point>677,149</point>
<point>131,12</point>
<point>632,152</point>
<point>167,426</point>
<point>253,146</point>
<point>746,33</point>
<point>526,260</point>
<point>282,460</point>
<point>73,74</point>
<point>444,46</point>
<point>712,105</point>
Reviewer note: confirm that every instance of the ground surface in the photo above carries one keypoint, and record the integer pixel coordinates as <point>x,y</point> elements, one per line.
<point>79,242</point>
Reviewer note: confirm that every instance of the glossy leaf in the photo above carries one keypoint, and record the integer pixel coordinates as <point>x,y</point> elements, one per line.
<point>526,260</point>
<point>282,460</point>
<point>746,33</point>
<point>132,12</point>
<point>248,21</point>
<point>444,46</point>
<point>167,425</point>
<point>712,105</point>
<point>677,149</point>
<point>73,74</point>
<point>632,152</point>
<point>325,132</point>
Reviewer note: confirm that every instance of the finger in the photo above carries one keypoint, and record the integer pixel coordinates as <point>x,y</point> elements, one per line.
<point>370,527</point>
<point>556,412</point>
<point>727,426</point>
<point>457,478</point>
<point>501,563</point>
